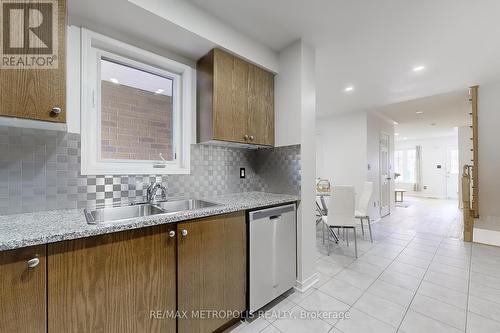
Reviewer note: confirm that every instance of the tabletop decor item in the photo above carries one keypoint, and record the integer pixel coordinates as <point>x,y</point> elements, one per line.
<point>322,185</point>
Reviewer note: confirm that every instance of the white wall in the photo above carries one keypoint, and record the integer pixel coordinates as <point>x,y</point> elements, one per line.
<point>375,126</point>
<point>73,79</point>
<point>489,151</point>
<point>433,154</point>
<point>341,149</point>
<point>288,96</point>
<point>190,17</point>
<point>295,124</point>
<point>345,145</point>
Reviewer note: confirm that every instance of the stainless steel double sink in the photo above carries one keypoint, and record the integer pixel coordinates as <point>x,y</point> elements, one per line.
<point>112,214</point>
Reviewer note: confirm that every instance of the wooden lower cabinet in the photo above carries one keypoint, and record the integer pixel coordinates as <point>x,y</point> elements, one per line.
<point>113,282</point>
<point>129,281</point>
<point>211,270</point>
<point>23,290</point>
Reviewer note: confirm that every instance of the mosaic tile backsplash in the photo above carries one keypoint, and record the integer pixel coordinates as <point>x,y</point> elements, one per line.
<point>40,170</point>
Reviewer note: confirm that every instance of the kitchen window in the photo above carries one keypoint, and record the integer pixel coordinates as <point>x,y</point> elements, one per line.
<point>136,110</point>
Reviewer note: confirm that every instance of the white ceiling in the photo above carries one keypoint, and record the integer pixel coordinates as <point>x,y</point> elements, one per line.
<point>135,78</point>
<point>440,115</point>
<point>373,45</point>
<point>132,24</point>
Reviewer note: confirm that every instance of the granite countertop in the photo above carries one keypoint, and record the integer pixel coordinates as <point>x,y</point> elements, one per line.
<point>28,229</point>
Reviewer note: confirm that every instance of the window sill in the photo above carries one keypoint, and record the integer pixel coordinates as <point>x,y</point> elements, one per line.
<point>131,169</point>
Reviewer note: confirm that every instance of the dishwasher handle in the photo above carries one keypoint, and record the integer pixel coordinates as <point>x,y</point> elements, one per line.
<point>275,217</point>
<point>271,213</point>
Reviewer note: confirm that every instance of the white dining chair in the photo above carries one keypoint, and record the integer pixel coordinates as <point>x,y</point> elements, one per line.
<point>341,213</point>
<point>361,211</point>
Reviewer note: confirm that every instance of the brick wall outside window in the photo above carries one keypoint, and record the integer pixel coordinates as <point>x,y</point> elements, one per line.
<point>135,124</point>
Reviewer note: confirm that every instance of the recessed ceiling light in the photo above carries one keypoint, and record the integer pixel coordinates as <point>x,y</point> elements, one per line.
<point>418,68</point>
<point>419,112</point>
<point>115,81</point>
<point>349,89</point>
<point>396,134</point>
<point>396,123</point>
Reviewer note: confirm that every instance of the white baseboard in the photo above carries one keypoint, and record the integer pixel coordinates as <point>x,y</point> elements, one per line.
<point>486,236</point>
<point>304,285</point>
<point>487,230</point>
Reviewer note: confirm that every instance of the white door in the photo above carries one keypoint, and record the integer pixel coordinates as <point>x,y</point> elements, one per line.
<point>452,171</point>
<point>385,175</point>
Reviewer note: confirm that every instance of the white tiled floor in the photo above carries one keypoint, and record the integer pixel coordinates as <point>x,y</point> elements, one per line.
<point>417,276</point>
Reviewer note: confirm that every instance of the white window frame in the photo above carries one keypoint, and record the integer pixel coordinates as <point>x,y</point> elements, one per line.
<point>94,47</point>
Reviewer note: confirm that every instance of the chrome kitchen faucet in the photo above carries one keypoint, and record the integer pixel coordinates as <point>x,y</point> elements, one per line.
<point>153,189</point>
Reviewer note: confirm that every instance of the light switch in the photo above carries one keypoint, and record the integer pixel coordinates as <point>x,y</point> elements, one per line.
<point>242,173</point>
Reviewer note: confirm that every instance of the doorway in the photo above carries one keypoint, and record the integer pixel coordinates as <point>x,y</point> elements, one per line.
<point>385,177</point>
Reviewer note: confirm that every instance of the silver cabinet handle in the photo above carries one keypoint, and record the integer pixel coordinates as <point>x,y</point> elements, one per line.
<point>32,263</point>
<point>184,232</point>
<point>252,137</point>
<point>245,137</point>
<point>171,234</point>
<point>56,110</point>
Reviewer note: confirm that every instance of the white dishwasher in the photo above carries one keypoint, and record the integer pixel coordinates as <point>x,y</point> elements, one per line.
<point>273,254</point>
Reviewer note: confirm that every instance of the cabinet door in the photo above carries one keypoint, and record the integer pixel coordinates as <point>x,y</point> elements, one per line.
<point>261,106</point>
<point>230,97</point>
<point>22,290</point>
<point>32,93</point>
<point>211,270</point>
<point>113,283</point>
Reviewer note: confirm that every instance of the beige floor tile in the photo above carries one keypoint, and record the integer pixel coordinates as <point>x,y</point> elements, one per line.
<point>401,280</point>
<point>321,302</point>
<point>327,267</point>
<point>415,322</point>
<point>391,292</point>
<point>381,308</point>
<point>342,291</point>
<point>485,308</point>
<point>357,279</point>
<point>360,322</point>
<point>480,324</point>
<point>443,294</point>
<point>298,324</point>
<point>401,267</point>
<point>446,313</point>
<point>448,281</point>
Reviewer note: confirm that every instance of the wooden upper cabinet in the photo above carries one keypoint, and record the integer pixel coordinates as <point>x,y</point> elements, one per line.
<point>261,106</point>
<point>211,270</point>
<point>22,290</point>
<point>235,100</point>
<point>113,283</point>
<point>28,91</point>
<point>230,101</point>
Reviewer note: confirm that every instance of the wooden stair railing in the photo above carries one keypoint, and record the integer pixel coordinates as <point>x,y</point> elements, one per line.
<point>470,174</point>
<point>475,151</point>
<point>468,212</point>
